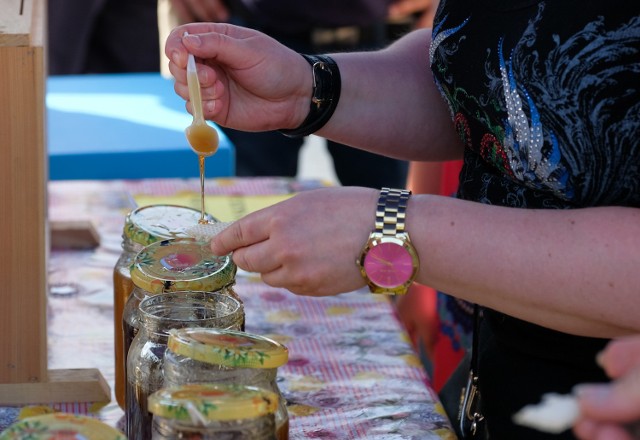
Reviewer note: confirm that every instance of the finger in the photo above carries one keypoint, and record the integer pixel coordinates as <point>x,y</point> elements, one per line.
<point>611,432</point>
<point>224,44</point>
<point>620,356</point>
<point>585,429</point>
<point>309,278</point>
<point>175,48</point>
<point>210,86</point>
<point>618,401</point>
<point>283,278</point>
<point>181,90</point>
<point>247,231</point>
<point>179,73</point>
<point>207,76</point>
<point>256,258</point>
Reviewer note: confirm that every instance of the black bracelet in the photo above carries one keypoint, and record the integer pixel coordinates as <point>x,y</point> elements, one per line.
<point>324,96</point>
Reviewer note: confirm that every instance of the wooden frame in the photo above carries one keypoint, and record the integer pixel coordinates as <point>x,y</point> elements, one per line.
<point>24,234</point>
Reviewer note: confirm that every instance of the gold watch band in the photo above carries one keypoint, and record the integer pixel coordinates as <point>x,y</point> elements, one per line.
<point>391,211</point>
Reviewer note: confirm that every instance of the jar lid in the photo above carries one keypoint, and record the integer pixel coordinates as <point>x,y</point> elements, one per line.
<point>59,426</point>
<point>152,223</point>
<point>181,264</point>
<point>208,402</point>
<point>228,348</point>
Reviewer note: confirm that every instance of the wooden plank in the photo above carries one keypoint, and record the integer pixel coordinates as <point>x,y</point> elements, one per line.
<point>24,377</point>
<point>16,21</point>
<point>38,11</point>
<point>63,386</point>
<point>23,233</point>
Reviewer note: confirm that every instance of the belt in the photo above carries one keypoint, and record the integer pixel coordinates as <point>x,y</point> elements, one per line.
<point>344,37</point>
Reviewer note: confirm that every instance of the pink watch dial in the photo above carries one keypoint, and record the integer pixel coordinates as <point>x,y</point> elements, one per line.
<point>388,265</point>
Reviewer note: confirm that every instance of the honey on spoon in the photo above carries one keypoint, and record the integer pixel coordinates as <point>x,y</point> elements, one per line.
<point>202,138</point>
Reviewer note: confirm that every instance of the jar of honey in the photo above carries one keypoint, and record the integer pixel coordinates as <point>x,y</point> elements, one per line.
<point>213,411</point>
<point>60,426</point>
<point>142,227</point>
<point>208,355</point>
<point>181,264</point>
<point>160,314</point>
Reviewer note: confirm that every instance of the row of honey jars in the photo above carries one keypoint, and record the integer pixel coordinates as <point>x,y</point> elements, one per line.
<point>159,315</point>
<point>213,412</point>
<point>178,265</point>
<point>214,355</point>
<point>142,227</point>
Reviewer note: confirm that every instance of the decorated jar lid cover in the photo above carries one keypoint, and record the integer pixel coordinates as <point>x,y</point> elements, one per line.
<point>229,348</point>
<point>152,223</point>
<point>61,426</point>
<point>208,402</point>
<point>179,265</point>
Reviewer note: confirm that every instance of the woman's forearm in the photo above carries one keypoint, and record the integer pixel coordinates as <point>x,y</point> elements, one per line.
<point>556,268</point>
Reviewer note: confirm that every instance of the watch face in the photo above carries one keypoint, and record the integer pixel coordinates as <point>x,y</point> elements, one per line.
<point>388,265</point>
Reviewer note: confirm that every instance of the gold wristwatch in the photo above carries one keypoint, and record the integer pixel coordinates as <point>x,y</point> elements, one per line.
<point>388,262</point>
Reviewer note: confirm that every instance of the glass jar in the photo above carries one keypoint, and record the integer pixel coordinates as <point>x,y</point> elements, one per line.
<point>213,412</point>
<point>207,355</point>
<point>60,426</point>
<point>159,315</point>
<point>181,264</point>
<point>142,226</point>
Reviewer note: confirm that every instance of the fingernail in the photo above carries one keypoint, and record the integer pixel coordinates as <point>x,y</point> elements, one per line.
<point>596,393</point>
<point>193,40</point>
<point>210,106</point>
<point>175,56</point>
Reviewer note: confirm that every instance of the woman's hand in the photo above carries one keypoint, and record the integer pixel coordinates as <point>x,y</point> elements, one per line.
<point>307,244</point>
<point>608,409</point>
<point>248,80</point>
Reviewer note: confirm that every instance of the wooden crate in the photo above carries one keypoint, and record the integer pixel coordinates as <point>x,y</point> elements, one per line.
<point>24,235</point>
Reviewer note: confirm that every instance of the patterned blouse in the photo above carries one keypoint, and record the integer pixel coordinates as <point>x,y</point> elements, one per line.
<point>546,97</point>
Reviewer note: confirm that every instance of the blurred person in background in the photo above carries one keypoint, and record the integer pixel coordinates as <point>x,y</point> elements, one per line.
<point>102,36</point>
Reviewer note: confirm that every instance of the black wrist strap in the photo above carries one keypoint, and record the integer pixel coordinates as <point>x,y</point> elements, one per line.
<point>324,97</point>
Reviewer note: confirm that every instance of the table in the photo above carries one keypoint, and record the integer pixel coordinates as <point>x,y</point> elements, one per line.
<point>123,126</point>
<point>352,373</point>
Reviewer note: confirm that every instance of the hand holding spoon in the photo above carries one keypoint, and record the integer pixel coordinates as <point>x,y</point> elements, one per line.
<point>202,137</point>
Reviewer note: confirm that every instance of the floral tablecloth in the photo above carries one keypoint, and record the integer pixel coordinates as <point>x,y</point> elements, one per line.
<point>352,372</point>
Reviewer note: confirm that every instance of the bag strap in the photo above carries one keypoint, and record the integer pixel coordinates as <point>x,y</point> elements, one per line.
<point>470,417</point>
<point>475,338</point>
